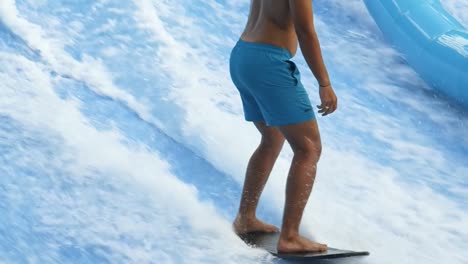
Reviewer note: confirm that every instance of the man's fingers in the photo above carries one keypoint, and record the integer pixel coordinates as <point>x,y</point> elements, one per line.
<point>324,104</point>
<point>327,111</point>
<point>328,108</point>
<point>323,107</point>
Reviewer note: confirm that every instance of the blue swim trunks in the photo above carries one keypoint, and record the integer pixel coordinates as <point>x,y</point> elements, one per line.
<point>269,84</point>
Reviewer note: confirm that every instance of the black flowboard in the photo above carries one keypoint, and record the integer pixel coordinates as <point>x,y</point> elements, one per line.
<point>268,241</point>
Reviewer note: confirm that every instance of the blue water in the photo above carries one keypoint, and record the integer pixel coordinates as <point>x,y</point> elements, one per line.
<point>122,139</point>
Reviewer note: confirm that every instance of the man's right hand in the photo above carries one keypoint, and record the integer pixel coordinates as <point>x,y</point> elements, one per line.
<point>328,99</point>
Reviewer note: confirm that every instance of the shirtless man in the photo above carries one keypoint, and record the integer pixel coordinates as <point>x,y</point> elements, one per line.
<point>274,99</point>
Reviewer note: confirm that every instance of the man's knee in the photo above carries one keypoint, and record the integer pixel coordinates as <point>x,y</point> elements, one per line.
<point>309,149</point>
<point>272,141</point>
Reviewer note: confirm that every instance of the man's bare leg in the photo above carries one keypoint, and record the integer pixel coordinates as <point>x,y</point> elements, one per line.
<point>304,139</point>
<point>258,170</point>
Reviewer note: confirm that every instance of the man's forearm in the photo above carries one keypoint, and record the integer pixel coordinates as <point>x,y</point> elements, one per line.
<point>310,48</point>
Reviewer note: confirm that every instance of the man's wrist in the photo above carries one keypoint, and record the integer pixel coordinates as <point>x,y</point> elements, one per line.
<point>324,82</point>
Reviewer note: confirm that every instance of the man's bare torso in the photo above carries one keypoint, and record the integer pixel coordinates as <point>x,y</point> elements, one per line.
<point>270,22</point>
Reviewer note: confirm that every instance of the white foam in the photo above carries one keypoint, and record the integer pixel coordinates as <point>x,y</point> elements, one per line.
<point>27,96</point>
<point>459,9</point>
<point>90,70</point>
<point>361,203</point>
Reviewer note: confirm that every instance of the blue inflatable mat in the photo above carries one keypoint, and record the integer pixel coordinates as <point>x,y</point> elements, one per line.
<point>433,42</point>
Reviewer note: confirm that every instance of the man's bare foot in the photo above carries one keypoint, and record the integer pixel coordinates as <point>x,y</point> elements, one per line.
<point>296,244</point>
<point>242,226</point>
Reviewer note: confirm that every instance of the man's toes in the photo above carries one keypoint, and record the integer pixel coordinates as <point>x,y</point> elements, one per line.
<point>323,247</point>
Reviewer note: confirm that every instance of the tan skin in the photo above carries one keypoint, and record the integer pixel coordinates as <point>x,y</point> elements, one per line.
<point>286,23</point>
